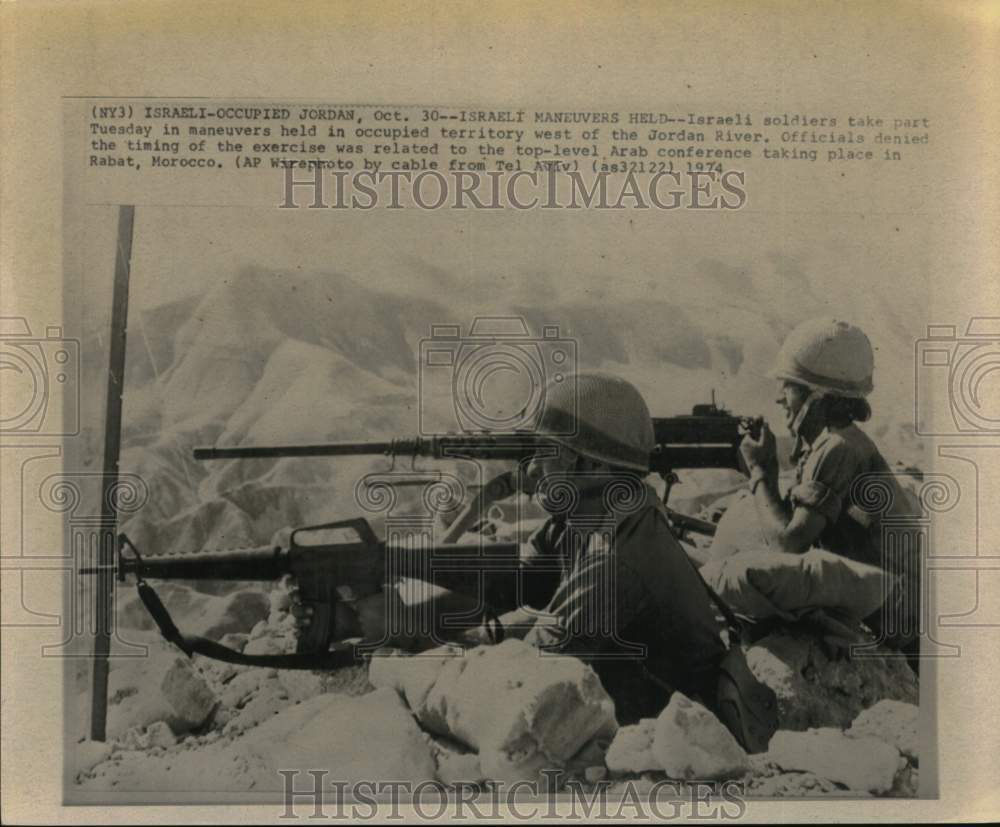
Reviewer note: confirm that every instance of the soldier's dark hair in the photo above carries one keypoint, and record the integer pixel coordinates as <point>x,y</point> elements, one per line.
<point>841,411</point>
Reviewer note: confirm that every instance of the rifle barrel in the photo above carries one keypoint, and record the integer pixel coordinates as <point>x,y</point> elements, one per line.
<point>262,563</point>
<point>271,563</point>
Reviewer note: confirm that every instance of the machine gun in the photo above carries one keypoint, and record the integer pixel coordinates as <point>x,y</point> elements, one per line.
<point>332,559</point>
<point>708,437</point>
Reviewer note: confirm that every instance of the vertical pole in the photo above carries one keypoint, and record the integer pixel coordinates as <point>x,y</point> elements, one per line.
<point>104,598</point>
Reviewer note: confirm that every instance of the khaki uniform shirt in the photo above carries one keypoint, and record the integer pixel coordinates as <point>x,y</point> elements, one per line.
<point>623,589</point>
<point>829,479</point>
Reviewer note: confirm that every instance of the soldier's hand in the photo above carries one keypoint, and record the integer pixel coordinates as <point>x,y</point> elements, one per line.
<point>761,452</point>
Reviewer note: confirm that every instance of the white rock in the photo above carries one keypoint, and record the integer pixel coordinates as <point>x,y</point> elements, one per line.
<point>796,784</point>
<point>281,600</point>
<point>866,764</point>
<point>188,694</point>
<point>814,691</point>
<point>689,742</point>
<point>160,735</point>
<point>266,644</point>
<point>894,722</point>
<point>372,737</point>
<point>631,751</point>
<point>521,710</point>
<point>300,684</point>
<point>259,630</point>
<point>455,763</point>
<point>241,687</point>
<point>164,686</point>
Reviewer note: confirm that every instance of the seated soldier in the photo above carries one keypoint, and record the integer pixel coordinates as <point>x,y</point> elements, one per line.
<point>825,369</point>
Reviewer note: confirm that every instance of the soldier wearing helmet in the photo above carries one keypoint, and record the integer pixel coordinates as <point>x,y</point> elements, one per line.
<point>613,584</point>
<point>825,369</point>
<point>604,578</point>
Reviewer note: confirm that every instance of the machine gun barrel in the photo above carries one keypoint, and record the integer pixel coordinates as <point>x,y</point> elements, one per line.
<point>477,446</point>
<point>707,438</point>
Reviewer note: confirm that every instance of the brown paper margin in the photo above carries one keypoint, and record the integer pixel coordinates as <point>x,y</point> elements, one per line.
<point>50,49</point>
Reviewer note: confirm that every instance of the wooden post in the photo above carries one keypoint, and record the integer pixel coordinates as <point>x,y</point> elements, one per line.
<point>104,605</point>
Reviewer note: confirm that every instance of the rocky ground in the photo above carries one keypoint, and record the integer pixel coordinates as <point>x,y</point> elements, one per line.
<point>498,714</point>
<point>267,357</point>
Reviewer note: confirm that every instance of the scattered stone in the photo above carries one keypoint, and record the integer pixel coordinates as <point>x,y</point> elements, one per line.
<point>164,686</point>
<point>354,739</point>
<point>456,763</point>
<point>521,710</point>
<point>815,691</point>
<point>300,685</point>
<point>234,640</point>
<point>893,722</point>
<point>261,705</point>
<point>160,735</point>
<point>865,764</point>
<point>280,600</point>
<point>266,645</point>
<point>216,671</point>
<point>631,751</point>
<point>592,754</point>
<point>190,697</point>
<point>237,613</point>
<point>795,784</point>
<point>241,687</point>
<point>260,629</point>
<point>689,742</point>
<point>593,775</point>
<point>134,738</point>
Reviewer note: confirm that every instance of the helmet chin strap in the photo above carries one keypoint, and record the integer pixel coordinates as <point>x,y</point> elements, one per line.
<point>803,412</point>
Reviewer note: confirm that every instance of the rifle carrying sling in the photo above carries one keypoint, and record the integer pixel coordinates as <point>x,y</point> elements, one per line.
<point>339,655</point>
<point>197,645</point>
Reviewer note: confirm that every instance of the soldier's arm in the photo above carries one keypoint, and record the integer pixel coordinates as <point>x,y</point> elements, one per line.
<point>792,530</point>
<point>592,607</point>
<point>788,526</point>
<point>540,571</point>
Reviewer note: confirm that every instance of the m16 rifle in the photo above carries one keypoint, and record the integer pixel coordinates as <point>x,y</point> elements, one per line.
<point>332,563</point>
<point>334,559</point>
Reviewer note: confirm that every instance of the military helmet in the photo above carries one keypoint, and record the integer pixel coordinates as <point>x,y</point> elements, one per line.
<point>600,416</point>
<point>827,355</point>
